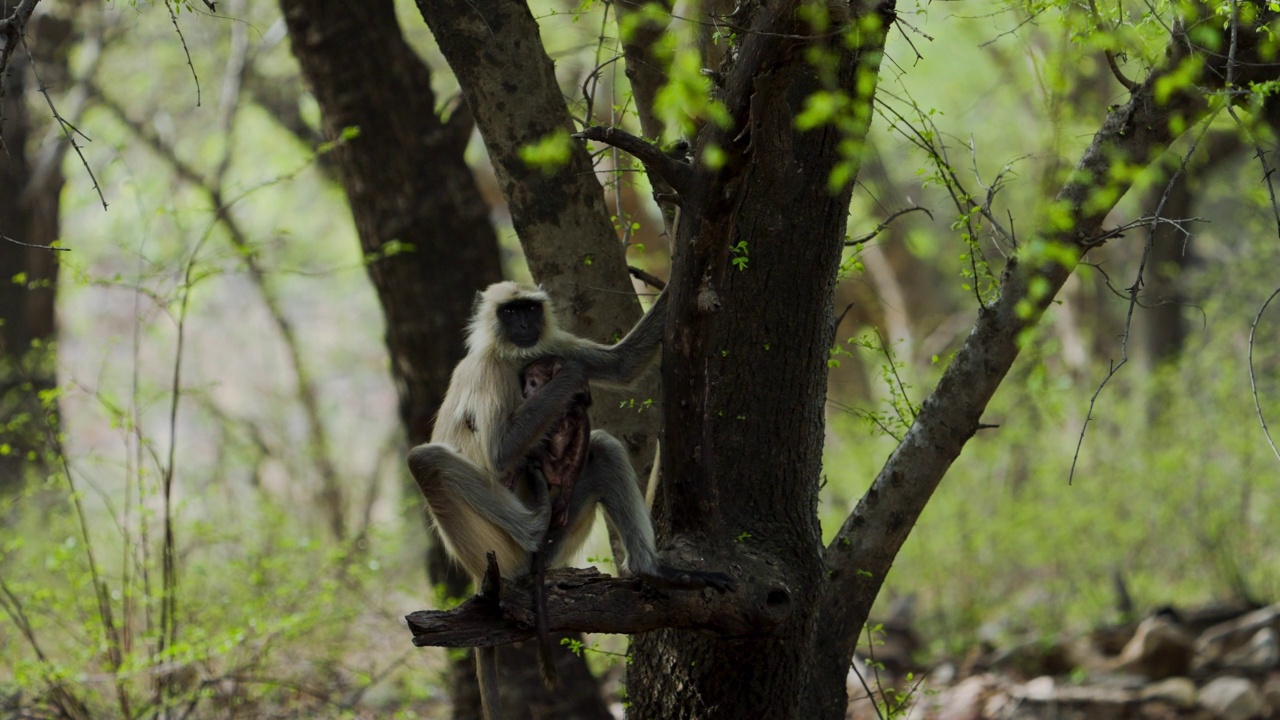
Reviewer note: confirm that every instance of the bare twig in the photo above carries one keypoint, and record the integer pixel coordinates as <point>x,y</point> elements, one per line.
<point>68,130</point>
<point>1253,380</point>
<point>55,248</point>
<point>168,554</point>
<point>884,225</point>
<point>101,593</point>
<point>961,198</point>
<point>173,17</point>
<point>1134,289</point>
<point>870,695</point>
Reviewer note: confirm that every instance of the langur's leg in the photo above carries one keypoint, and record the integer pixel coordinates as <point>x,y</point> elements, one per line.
<point>475,513</point>
<point>606,479</point>
<point>609,480</point>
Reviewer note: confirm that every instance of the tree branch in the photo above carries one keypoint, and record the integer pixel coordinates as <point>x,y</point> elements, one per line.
<point>586,600</point>
<point>677,174</point>
<point>860,555</point>
<point>646,277</point>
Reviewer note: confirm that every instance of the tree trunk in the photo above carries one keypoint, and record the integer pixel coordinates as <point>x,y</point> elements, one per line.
<point>745,369</point>
<point>406,181</point>
<point>31,185</point>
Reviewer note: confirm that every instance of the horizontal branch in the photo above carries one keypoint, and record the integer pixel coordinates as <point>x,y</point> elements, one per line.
<point>677,173</point>
<point>586,600</point>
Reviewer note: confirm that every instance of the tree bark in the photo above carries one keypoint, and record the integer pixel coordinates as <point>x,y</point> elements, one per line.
<point>406,181</point>
<point>28,215</point>
<point>745,365</point>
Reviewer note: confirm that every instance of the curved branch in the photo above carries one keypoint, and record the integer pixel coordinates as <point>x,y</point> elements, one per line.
<point>678,175</point>
<point>860,555</point>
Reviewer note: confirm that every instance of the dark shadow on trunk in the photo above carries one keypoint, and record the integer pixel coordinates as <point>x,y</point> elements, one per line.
<point>30,186</point>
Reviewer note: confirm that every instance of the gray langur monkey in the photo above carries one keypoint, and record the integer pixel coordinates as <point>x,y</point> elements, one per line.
<point>486,433</point>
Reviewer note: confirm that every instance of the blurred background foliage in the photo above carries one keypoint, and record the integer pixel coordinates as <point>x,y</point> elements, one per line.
<point>272,337</point>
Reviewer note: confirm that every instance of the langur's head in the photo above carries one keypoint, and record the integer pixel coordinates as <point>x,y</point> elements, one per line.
<point>510,318</point>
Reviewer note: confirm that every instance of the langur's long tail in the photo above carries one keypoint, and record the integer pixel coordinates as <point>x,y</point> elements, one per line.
<point>546,661</point>
<point>487,679</point>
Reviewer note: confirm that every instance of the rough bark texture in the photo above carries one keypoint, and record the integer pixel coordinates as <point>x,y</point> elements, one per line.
<point>30,185</point>
<point>744,427</point>
<point>406,180</point>
<point>494,48</point>
<point>584,600</point>
<point>860,555</point>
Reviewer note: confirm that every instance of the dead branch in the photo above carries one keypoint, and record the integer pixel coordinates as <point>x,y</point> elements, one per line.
<point>586,600</point>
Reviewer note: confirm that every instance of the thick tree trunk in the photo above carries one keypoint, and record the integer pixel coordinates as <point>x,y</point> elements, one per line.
<point>406,181</point>
<point>29,192</point>
<point>745,369</point>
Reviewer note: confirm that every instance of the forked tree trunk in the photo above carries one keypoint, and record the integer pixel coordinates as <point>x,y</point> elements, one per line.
<point>749,332</point>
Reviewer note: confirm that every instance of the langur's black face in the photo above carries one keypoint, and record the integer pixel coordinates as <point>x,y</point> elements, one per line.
<point>521,322</point>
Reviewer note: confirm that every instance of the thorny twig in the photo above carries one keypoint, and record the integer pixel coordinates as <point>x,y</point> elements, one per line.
<point>173,17</point>
<point>68,130</point>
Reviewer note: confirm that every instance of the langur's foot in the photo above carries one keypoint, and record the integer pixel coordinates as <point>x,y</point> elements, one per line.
<point>669,578</point>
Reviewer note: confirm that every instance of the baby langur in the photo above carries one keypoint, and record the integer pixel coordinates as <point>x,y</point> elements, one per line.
<point>563,452</point>
<point>556,463</point>
<point>487,430</point>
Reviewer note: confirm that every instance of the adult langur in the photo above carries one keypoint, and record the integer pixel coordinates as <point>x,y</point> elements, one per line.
<point>487,431</point>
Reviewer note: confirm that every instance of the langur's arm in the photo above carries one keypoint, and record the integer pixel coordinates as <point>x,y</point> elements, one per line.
<point>533,419</point>
<point>623,363</point>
